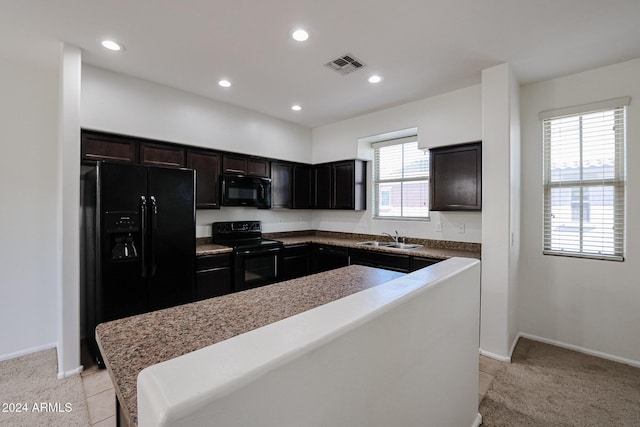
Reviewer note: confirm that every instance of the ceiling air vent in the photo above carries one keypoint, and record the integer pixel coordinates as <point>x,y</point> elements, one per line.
<point>345,64</point>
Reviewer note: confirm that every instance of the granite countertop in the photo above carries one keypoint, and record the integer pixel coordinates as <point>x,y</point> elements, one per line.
<point>424,251</point>
<point>131,344</point>
<point>437,249</point>
<point>212,249</point>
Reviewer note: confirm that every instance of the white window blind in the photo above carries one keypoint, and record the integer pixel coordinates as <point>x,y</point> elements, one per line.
<point>400,180</point>
<point>584,184</point>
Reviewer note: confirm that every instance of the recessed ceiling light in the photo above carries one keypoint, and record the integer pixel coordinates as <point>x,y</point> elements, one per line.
<point>300,35</point>
<point>224,83</point>
<point>296,107</point>
<point>375,79</point>
<point>111,45</point>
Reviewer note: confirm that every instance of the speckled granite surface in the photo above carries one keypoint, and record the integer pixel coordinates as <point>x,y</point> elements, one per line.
<point>441,251</point>
<point>438,249</point>
<point>212,249</point>
<point>131,344</point>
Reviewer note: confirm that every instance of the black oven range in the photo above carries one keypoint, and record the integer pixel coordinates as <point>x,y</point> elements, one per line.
<point>255,260</point>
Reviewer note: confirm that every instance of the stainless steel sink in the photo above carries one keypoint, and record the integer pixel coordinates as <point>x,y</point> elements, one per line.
<point>376,243</point>
<point>390,245</point>
<point>403,245</point>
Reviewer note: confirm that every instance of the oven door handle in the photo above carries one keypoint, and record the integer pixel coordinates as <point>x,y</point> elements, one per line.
<point>258,252</point>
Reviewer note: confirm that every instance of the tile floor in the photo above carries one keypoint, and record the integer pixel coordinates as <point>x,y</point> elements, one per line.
<point>488,369</point>
<point>101,396</point>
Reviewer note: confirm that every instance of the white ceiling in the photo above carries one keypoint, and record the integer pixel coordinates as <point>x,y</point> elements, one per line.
<point>420,47</point>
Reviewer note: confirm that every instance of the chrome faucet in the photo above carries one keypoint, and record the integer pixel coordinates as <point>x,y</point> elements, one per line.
<point>395,238</point>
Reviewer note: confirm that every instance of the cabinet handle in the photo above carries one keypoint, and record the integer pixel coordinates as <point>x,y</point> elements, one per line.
<point>143,214</point>
<point>154,227</point>
<point>234,170</point>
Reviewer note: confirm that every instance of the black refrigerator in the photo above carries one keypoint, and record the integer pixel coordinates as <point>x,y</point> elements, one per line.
<point>139,242</point>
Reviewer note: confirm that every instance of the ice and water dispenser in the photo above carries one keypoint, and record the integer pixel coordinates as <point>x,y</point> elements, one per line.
<point>123,229</point>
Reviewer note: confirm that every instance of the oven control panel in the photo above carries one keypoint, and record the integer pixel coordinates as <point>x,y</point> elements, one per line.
<point>236,226</point>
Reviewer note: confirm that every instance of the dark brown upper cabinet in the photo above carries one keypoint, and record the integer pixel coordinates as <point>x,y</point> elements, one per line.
<point>340,185</point>
<point>165,155</point>
<point>207,165</point>
<point>281,183</point>
<point>349,187</point>
<point>302,188</point>
<point>96,146</point>
<point>456,177</point>
<point>244,165</point>
<point>322,180</point>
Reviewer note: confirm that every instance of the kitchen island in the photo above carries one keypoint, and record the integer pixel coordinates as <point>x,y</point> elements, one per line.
<point>129,345</point>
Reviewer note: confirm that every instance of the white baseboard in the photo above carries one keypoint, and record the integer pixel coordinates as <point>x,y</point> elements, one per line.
<point>66,374</point>
<point>634,363</point>
<point>27,351</point>
<point>495,356</point>
<point>477,421</point>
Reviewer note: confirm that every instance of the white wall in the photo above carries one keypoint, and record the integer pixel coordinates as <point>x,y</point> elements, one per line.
<point>451,118</point>
<point>28,216</point>
<point>500,214</point>
<point>68,225</point>
<point>340,364</point>
<point>117,103</point>
<point>589,304</point>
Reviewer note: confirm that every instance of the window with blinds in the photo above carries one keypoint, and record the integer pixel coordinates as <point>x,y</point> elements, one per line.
<point>400,180</point>
<point>584,184</point>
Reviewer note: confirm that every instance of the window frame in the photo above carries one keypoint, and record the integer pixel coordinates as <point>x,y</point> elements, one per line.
<point>376,181</point>
<point>580,184</point>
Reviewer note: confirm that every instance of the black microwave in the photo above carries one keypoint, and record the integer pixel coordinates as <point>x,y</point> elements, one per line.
<point>242,190</point>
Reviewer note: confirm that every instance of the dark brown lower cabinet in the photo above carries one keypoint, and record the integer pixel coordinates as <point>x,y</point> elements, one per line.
<point>328,257</point>
<point>213,276</point>
<point>418,263</point>
<point>395,262</point>
<point>295,261</point>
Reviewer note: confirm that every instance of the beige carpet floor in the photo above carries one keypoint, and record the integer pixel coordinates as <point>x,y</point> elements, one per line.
<point>551,386</point>
<point>32,395</point>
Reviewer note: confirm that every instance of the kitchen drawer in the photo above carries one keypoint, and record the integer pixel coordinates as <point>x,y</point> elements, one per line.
<point>295,261</point>
<point>418,263</point>
<point>395,262</point>
<point>213,276</point>
<point>207,262</point>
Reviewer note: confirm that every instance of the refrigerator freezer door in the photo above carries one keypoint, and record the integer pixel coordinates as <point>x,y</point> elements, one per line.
<point>172,237</point>
<point>121,289</point>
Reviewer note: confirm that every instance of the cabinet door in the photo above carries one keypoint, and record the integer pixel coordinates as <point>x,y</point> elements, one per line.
<point>343,185</point>
<point>322,181</point>
<point>234,164</point>
<point>456,178</point>
<point>394,262</point>
<point>327,257</point>
<point>361,257</point>
<point>303,194</point>
<point>280,185</point>
<point>213,276</point>
<point>162,155</point>
<point>96,146</point>
<point>296,261</point>
<point>258,167</point>
<point>349,185</point>
<point>207,167</point>
<point>418,263</point>
<point>214,282</point>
